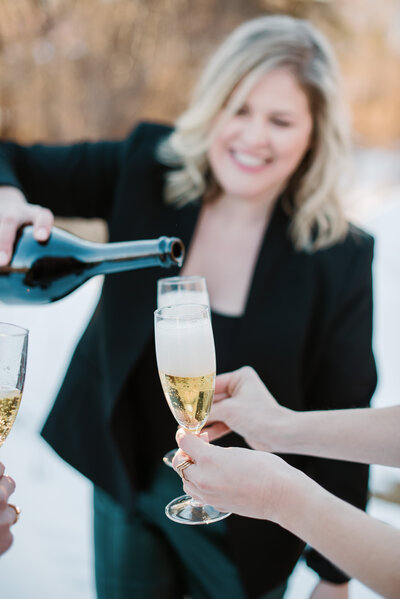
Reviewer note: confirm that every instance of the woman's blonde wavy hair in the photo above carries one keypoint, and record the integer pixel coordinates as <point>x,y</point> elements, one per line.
<point>253,49</point>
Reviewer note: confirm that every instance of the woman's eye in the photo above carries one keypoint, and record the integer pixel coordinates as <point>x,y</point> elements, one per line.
<point>242,111</point>
<point>281,122</point>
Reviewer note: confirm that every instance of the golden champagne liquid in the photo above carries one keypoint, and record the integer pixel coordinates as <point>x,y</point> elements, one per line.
<point>9,404</point>
<point>189,398</point>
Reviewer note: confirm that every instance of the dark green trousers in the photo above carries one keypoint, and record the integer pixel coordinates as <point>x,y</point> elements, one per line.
<point>143,555</point>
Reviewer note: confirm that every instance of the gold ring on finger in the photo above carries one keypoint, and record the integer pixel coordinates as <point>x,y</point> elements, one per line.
<point>17,511</point>
<point>182,467</point>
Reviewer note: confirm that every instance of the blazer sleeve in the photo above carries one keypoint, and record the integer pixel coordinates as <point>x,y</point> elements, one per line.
<point>345,378</point>
<point>71,180</point>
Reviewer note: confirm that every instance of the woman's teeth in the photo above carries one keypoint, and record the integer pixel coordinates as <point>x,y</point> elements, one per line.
<point>248,160</point>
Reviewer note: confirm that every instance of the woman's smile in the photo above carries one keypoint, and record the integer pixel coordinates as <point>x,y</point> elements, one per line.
<point>249,162</point>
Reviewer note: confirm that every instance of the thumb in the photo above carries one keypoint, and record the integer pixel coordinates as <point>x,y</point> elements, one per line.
<point>191,444</point>
<point>220,411</point>
<point>223,383</point>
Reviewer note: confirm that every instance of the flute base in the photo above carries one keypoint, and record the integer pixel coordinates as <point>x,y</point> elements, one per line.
<point>187,511</point>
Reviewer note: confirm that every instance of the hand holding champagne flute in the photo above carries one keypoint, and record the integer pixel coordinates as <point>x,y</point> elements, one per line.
<point>186,364</point>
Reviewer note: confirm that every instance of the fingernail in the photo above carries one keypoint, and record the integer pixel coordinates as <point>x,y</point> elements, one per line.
<point>3,258</point>
<point>41,234</point>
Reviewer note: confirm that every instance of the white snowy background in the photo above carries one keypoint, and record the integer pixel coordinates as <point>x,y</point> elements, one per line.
<point>52,553</point>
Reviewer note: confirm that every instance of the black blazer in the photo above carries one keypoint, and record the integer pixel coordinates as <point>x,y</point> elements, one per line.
<point>306,329</point>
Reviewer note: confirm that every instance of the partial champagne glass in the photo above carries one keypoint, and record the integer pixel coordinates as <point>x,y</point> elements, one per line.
<point>177,290</point>
<point>186,364</point>
<point>182,290</point>
<point>13,354</point>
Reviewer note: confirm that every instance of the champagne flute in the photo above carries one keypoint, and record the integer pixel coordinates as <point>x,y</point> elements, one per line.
<point>13,353</point>
<point>181,290</point>
<point>186,364</point>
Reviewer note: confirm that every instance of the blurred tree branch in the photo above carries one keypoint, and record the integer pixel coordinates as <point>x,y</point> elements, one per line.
<point>90,68</point>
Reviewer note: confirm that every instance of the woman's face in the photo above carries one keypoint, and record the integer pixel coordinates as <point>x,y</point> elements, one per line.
<point>254,153</point>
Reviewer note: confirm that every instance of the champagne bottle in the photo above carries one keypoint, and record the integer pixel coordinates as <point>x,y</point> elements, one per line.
<point>43,272</point>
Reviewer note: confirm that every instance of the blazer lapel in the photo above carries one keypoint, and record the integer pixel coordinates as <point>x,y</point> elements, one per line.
<point>276,242</point>
<point>260,313</point>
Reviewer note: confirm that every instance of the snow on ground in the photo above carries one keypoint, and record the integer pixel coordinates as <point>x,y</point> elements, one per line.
<point>52,552</point>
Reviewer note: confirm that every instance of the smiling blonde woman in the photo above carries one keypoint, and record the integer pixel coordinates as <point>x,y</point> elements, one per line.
<point>254,49</point>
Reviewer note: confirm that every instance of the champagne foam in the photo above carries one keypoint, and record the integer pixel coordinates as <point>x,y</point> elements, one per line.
<point>185,348</point>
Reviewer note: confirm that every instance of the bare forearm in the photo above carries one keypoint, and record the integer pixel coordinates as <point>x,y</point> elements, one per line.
<point>359,545</point>
<point>273,490</point>
<point>365,435</point>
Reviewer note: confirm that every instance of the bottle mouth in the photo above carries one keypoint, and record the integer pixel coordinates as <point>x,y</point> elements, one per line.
<point>177,251</point>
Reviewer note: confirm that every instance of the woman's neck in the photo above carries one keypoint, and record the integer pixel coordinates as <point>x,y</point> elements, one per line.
<point>242,210</point>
